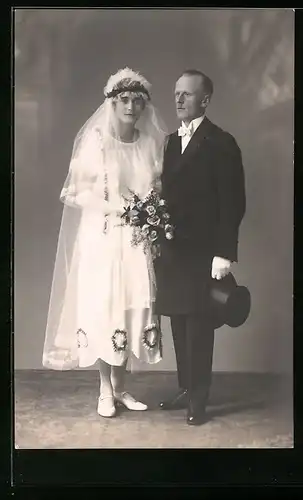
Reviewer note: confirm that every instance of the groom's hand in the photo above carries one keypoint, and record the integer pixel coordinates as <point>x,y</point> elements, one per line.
<point>220,268</point>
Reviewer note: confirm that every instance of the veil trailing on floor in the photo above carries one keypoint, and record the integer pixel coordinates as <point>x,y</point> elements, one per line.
<point>91,185</point>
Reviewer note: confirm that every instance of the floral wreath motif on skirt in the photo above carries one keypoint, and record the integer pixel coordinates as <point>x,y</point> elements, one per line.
<point>152,336</point>
<point>82,338</point>
<point>119,340</point>
<point>150,339</point>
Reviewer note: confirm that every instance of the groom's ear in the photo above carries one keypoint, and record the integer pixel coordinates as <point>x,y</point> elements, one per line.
<point>205,101</point>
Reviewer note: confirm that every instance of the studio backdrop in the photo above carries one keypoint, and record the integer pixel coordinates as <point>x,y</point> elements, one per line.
<point>62,61</point>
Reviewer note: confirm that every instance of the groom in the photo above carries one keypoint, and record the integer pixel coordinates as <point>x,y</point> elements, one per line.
<point>203,184</point>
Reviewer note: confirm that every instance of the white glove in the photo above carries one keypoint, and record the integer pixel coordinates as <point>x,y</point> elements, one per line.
<point>220,268</point>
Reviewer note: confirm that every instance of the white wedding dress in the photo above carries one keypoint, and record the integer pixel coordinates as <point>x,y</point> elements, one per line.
<point>107,306</point>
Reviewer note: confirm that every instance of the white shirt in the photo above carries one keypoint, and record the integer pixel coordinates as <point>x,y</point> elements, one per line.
<point>194,124</point>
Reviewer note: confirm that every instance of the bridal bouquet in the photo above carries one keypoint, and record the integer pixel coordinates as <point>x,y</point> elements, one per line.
<point>151,218</point>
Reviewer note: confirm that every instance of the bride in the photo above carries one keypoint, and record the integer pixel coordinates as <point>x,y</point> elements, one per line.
<point>102,298</point>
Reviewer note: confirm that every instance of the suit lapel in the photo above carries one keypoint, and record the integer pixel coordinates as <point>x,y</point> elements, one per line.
<point>176,143</point>
<point>201,133</point>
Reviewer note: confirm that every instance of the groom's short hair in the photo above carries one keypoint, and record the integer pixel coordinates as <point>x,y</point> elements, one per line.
<point>207,83</point>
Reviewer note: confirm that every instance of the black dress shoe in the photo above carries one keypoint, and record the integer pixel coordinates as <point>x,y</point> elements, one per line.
<point>179,402</point>
<point>197,419</point>
<point>196,414</point>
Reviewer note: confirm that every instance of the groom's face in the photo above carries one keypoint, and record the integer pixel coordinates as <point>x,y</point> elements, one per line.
<point>189,97</point>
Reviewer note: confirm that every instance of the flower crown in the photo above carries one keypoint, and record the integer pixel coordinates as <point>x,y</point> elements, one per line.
<point>126,80</point>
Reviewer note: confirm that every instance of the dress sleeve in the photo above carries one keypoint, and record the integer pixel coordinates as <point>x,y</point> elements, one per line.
<point>86,184</point>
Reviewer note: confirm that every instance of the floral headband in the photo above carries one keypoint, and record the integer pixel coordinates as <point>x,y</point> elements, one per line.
<point>136,87</point>
<point>127,80</point>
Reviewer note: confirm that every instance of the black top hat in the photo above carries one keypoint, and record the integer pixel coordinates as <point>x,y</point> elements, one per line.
<point>230,303</point>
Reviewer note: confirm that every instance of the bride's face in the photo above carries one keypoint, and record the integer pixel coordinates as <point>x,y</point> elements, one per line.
<point>128,107</point>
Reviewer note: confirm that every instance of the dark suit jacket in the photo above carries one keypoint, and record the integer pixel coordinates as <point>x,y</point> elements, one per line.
<point>205,191</point>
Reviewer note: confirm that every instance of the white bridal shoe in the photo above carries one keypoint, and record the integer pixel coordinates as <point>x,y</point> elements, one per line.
<point>106,406</point>
<point>129,401</point>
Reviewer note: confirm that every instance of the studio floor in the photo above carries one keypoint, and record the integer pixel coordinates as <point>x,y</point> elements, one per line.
<point>58,410</point>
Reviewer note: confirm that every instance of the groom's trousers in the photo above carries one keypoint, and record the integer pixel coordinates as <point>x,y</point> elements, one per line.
<point>193,337</point>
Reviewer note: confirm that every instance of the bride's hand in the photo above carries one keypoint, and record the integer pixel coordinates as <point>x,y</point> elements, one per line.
<point>87,199</point>
<point>112,208</point>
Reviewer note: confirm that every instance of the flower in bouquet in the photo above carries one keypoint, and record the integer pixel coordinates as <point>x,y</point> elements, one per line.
<point>169,231</point>
<point>153,220</point>
<point>169,236</point>
<point>134,218</point>
<point>133,204</point>
<point>145,229</point>
<point>151,210</point>
<point>153,236</point>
